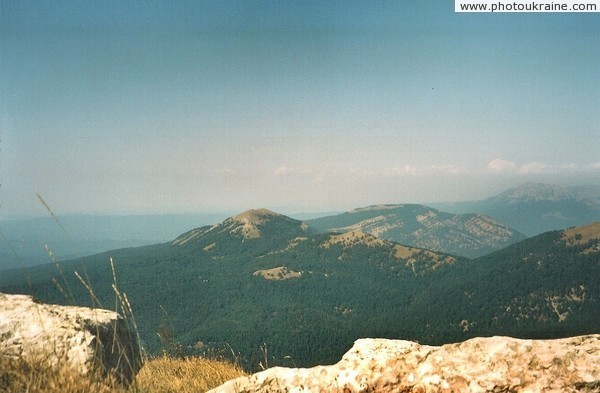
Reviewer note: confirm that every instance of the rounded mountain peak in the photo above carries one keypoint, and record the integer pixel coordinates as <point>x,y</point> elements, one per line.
<point>255,216</point>
<point>252,223</point>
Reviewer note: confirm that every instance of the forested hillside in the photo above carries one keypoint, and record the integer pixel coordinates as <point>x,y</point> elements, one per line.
<point>260,280</point>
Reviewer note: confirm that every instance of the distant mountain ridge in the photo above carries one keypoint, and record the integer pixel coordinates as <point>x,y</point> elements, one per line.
<point>469,235</point>
<point>536,192</point>
<point>88,234</point>
<point>534,208</point>
<point>531,209</point>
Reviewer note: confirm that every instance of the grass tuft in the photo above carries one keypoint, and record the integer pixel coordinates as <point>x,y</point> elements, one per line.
<point>191,374</point>
<point>162,374</point>
<point>42,375</point>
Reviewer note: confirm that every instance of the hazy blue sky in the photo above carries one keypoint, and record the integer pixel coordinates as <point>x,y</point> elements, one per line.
<point>172,107</point>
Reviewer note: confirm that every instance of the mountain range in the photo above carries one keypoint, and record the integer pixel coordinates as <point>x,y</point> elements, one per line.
<point>469,235</point>
<point>262,286</point>
<point>529,209</point>
<point>534,208</point>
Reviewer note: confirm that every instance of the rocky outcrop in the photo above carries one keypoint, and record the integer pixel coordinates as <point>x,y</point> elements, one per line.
<point>494,364</point>
<point>89,339</point>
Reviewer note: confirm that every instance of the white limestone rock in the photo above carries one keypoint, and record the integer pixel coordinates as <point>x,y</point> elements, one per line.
<point>85,337</point>
<point>494,364</point>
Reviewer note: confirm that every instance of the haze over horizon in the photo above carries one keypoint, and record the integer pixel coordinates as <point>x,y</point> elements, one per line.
<point>161,107</point>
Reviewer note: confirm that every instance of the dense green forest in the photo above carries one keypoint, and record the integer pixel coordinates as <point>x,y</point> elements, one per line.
<point>201,293</point>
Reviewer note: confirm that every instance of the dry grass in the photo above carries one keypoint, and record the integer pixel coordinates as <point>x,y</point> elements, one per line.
<point>277,273</point>
<point>19,375</point>
<point>349,239</point>
<point>165,374</point>
<point>582,234</point>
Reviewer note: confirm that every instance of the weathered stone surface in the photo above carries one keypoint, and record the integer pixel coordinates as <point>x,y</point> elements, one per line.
<point>494,364</point>
<point>87,338</point>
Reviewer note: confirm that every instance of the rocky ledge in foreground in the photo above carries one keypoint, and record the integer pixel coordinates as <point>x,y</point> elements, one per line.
<point>494,364</point>
<point>86,338</point>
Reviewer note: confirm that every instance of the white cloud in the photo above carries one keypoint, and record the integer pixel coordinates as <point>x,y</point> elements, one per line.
<point>409,169</point>
<point>282,171</point>
<point>596,165</point>
<point>399,171</point>
<point>570,166</point>
<point>532,167</point>
<point>447,169</point>
<point>500,165</point>
<point>226,171</point>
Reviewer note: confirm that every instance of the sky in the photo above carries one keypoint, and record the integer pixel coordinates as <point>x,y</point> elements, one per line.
<point>151,107</point>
